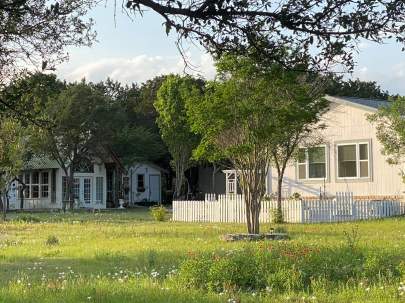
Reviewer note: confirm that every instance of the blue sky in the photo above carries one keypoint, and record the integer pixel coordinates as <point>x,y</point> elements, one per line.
<point>136,50</point>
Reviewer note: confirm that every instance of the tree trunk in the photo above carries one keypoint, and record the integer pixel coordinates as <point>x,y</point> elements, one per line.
<point>279,212</point>
<point>252,213</point>
<point>179,179</point>
<point>3,207</point>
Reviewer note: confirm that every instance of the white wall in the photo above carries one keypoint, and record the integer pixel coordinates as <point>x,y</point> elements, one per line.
<point>146,170</point>
<point>346,122</point>
<point>99,171</point>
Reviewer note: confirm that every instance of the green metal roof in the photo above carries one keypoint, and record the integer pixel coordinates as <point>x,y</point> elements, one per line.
<point>41,162</point>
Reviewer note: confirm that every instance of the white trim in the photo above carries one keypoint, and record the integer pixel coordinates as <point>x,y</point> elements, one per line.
<point>357,145</point>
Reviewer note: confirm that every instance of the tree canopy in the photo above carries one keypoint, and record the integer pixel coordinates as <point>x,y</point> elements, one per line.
<point>337,86</point>
<point>37,32</point>
<point>390,125</point>
<point>250,116</point>
<point>170,105</point>
<point>327,30</point>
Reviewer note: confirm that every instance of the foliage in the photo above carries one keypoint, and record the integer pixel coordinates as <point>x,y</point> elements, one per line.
<point>173,124</point>
<point>355,88</point>
<point>136,135</point>
<point>114,259</point>
<point>82,122</point>
<point>277,216</point>
<point>13,146</point>
<point>158,213</point>
<point>390,126</point>
<point>27,218</point>
<point>352,237</point>
<point>253,116</point>
<point>285,268</point>
<point>327,31</point>
<point>37,32</point>
<point>52,240</point>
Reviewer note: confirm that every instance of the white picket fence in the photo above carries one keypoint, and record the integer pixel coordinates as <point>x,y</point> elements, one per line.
<point>231,209</point>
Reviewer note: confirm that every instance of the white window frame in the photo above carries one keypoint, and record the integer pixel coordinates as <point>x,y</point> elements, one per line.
<point>357,144</point>
<point>40,184</point>
<point>307,178</point>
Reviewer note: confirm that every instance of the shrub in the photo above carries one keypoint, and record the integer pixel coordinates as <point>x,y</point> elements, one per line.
<point>52,240</point>
<point>286,279</point>
<point>158,213</point>
<point>237,271</point>
<point>288,268</point>
<point>277,216</point>
<point>28,219</point>
<point>194,272</point>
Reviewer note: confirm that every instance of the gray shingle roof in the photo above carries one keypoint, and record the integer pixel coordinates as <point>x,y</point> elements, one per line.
<point>41,162</point>
<point>371,104</point>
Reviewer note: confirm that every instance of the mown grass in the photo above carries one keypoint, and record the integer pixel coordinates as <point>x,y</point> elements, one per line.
<point>128,257</point>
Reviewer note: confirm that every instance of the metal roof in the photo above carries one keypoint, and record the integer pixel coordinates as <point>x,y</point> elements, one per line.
<point>41,162</point>
<point>368,104</point>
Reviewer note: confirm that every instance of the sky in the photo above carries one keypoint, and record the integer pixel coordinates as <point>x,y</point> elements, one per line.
<point>139,49</point>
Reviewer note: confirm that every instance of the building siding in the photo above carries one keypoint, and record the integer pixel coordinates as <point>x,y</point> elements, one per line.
<point>346,123</point>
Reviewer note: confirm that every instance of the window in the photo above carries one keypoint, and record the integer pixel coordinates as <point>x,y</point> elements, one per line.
<point>65,196</point>
<point>87,190</point>
<point>35,185</point>
<point>27,181</point>
<point>141,183</point>
<point>76,188</point>
<point>99,190</point>
<point>45,184</point>
<point>312,163</point>
<point>84,165</point>
<point>353,160</point>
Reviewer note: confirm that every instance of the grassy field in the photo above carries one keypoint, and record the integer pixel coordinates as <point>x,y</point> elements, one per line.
<point>127,257</point>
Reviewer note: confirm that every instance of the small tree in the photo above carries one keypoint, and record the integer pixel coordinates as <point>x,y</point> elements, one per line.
<point>390,125</point>
<point>12,149</point>
<point>248,116</point>
<point>172,121</point>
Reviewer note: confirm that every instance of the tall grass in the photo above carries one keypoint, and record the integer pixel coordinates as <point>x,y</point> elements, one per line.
<point>128,257</point>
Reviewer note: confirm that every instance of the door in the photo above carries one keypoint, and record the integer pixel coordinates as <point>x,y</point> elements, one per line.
<point>82,191</point>
<point>154,188</point>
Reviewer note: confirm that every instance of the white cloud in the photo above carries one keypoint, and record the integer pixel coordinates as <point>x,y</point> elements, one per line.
<point>139,68</point>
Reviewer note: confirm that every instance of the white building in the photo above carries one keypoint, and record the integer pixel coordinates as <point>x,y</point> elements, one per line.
<point>145,183</point>
<point>42,185</point>
<point>349,160</point>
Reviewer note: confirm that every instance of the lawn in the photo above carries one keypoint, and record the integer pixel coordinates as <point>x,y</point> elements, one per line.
<point>127,257</point>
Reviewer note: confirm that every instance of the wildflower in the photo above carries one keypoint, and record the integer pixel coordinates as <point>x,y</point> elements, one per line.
<point>268,289</point>
<point>89,298</point>
<point>154,274</point>
<point>367,289</point>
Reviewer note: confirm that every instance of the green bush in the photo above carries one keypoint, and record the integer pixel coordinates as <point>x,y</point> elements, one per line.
<point>52,240</point>
<point>158,213</point>
<point>193,272</point>
<point>288,268</point>
<point>277,216</point>
<point>238,270</point>
<point>28,219</point>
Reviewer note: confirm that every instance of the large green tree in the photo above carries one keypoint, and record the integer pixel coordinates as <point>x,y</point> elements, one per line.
<point>37,32</point>
<point>337,86</point>
<point>328,31</point>
<point>390,125</point>
<point>82,120</point>
<point>172,120</point>
<point>247,116</point>
<point>13,146</point>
